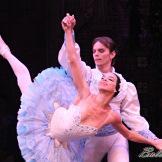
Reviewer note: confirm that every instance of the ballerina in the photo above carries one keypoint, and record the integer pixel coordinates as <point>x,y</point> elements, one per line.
<point>58,111</point>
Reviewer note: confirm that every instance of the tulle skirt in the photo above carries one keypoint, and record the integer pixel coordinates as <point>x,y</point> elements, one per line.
<point>37,106</point>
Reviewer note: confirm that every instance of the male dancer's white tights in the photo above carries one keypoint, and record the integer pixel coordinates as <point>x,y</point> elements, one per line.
<point>115,145</point>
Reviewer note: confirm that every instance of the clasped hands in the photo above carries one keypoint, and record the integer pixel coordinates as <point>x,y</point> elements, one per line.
<point>68,22</point>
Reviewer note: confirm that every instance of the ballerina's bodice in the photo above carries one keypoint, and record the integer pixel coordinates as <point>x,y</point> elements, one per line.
<point>66,124</point>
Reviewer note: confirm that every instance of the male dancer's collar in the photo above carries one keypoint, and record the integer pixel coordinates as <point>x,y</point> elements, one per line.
<point>113,71</point>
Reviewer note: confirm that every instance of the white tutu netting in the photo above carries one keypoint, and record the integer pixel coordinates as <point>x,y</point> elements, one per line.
<point>37,106</point>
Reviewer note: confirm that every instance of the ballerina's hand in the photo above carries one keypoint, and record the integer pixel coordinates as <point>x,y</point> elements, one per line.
<point>158,144</point>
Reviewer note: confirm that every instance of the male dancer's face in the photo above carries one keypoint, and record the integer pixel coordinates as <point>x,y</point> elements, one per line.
<point>102,55</point>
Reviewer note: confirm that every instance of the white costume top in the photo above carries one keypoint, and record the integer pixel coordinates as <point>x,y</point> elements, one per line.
<point>66,124</point>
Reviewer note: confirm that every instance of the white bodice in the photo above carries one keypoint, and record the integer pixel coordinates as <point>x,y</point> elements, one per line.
<point>66,124</point>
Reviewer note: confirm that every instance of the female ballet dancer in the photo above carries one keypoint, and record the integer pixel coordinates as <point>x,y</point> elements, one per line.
<point>51,124</point>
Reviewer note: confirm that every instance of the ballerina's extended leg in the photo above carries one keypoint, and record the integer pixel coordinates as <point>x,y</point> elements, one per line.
<point>20,70</point>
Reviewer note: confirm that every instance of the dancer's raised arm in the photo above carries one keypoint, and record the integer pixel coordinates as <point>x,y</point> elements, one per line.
<point>74,60</point>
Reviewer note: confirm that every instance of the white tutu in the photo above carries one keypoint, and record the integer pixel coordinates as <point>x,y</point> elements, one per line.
<point>51,85</point>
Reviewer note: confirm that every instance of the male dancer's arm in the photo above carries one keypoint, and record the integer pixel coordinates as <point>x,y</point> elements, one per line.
<point>130,112</point>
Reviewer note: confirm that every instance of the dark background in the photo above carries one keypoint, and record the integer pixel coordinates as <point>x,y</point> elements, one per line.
<point>32,30</point>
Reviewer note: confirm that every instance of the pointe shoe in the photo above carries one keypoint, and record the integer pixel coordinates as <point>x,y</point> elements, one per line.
<point>3,47</point>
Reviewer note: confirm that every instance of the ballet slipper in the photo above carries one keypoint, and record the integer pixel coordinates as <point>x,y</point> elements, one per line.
<point>4,49</point>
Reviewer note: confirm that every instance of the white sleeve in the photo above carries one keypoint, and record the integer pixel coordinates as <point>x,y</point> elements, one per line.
<point>62,58</point>
<point>130,112</point>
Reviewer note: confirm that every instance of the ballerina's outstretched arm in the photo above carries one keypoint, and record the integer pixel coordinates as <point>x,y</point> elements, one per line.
<point>133,135</point>
<point>20,70</point>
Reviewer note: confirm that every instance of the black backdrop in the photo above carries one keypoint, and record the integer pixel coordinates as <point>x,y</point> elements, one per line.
<point>33,32</point>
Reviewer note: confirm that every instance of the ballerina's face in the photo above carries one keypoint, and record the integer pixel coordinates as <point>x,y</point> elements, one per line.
<point>108,83</point>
